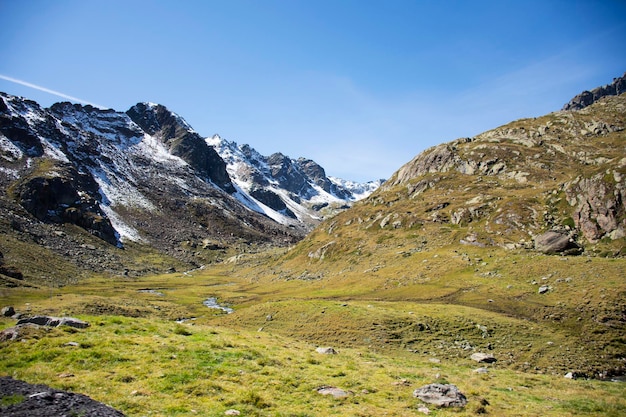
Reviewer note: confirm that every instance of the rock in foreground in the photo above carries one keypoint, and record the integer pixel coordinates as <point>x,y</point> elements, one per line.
<point>42,401</point>
<point>442,395</point>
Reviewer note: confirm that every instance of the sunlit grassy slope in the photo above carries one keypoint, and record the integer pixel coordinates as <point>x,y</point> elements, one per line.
<point>261,360</point>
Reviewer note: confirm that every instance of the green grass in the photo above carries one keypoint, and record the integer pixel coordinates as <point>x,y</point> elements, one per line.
<point>393,336</point>
<point>143,366</point>
<point>11,400</point>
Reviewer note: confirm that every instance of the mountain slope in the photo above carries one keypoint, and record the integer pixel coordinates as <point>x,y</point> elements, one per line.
<point>475,223</point>
<point>153,184</point>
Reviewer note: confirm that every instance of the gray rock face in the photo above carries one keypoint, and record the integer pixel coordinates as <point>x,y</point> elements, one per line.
<point>599,206</point>
<point>587,98</point>
<point>65,197</point>
<point>554,242</point>
<point>442,395</point>
<point>182,141</point>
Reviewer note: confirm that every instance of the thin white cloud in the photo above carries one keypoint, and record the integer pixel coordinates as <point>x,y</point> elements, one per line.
<point>49,91</point>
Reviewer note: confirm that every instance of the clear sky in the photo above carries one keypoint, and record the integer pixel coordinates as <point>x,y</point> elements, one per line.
<point>359,86</point>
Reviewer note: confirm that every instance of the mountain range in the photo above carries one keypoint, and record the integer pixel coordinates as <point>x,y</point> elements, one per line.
<point>141,191</point>
<point>145,178</point>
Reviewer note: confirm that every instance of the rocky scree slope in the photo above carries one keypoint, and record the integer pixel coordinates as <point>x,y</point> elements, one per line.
<point>563,173</point>
<point>85,185</point>
<point>522,186</point>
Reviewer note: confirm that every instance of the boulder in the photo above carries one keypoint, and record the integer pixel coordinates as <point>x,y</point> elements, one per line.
<point>483,357</point>
<point>334,391</point>
<point>11,333</point>
<point>54,321</point>
<point>544,289</point>
<point>7,311</point>
<point>326,350</point>
<point>18,332</point>
<point>554,242</point>
<point>441,395</point>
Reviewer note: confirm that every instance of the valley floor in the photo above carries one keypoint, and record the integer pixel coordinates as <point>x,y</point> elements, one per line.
<point>153,348</point>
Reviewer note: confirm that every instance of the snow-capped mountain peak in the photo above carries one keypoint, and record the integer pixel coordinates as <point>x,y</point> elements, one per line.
<point>287,190</point>
<point>146,176</point>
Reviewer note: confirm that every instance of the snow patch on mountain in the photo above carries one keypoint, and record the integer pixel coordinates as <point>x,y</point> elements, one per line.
<point>10,151</point>
<point>286,190</point>
<point>126,232</point>
<point>153,148</point>
<point>359,190</point>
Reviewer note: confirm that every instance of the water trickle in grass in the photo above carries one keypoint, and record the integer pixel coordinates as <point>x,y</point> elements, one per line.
<point>211,302</point>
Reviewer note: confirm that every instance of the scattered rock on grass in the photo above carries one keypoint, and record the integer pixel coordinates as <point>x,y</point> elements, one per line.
<point>54,321</point>
<point>423,409</point>
<point>483,357</point>
<point>232,412</point>
<point>442,395</point>
<point>544,289</point>
<point>334,391</point>
<point>326,350</point>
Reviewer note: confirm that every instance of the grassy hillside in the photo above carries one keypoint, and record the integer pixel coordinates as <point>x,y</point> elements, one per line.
<point>435,266</point>
<point>261,360</point>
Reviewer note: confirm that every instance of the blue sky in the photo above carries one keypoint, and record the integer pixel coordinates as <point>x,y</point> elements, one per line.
<point>358,86</point>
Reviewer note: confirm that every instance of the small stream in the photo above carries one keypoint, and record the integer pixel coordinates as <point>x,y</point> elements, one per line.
<point>211,302</point>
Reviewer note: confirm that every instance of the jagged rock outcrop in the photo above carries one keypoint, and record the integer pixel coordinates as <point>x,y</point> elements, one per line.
<point>598,203</point>
<point>182,141</point>
<point>587,98</point>
<point>272,200</point>
<point>60,194</point>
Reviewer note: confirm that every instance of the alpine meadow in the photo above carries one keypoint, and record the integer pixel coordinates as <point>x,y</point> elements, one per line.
<point>161,273</point>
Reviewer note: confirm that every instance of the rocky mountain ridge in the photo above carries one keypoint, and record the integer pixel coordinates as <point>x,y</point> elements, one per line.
<point>587,98</point>
<point>291,191</point>
<point>144,178</point>
<point>552,184</point>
